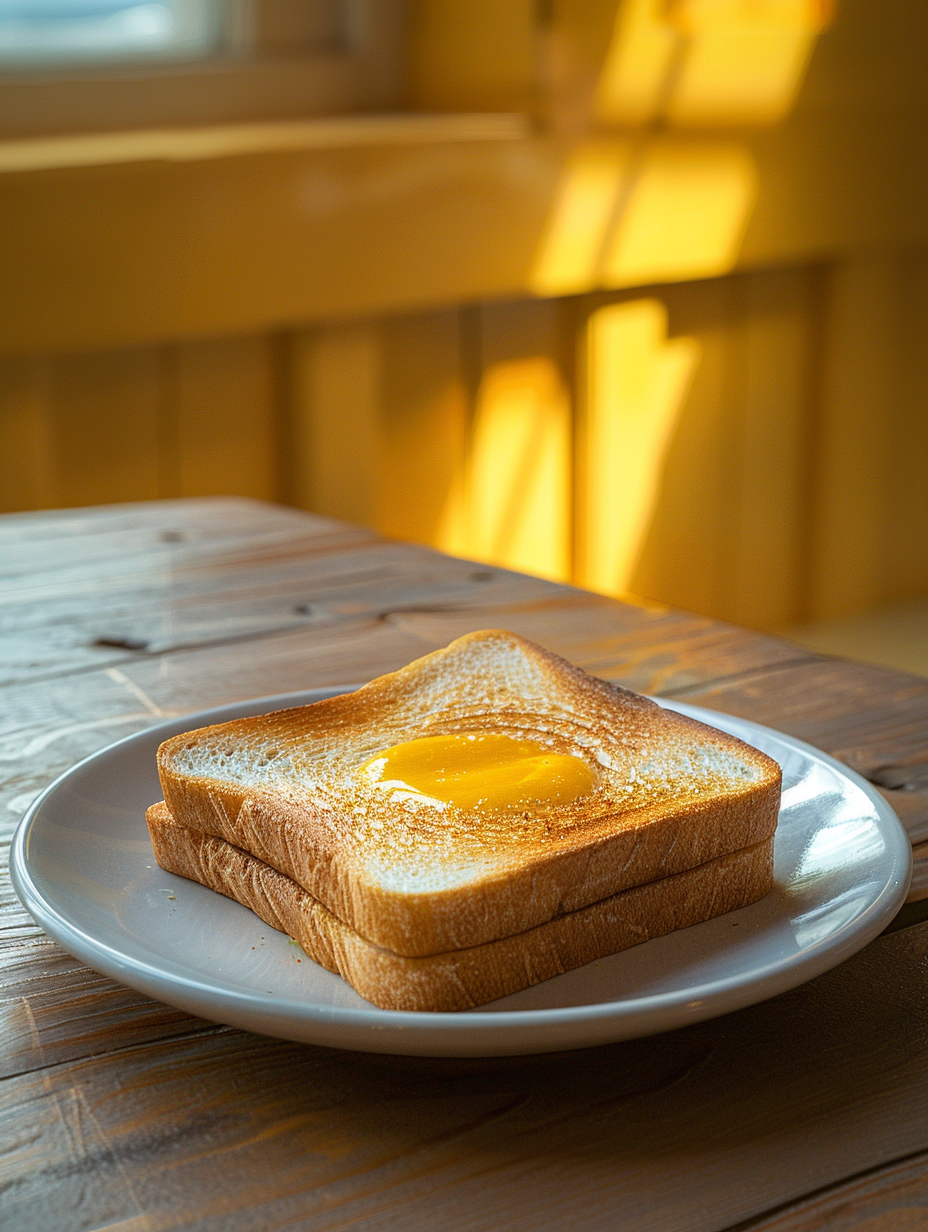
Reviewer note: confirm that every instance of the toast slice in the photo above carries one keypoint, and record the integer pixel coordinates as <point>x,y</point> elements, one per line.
<point>463,979</point>
<point>418,878</point>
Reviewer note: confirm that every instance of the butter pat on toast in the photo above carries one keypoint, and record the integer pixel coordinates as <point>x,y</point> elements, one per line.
<point>303,793</point>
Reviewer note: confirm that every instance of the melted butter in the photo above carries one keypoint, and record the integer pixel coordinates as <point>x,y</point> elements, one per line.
<point>480,771</point>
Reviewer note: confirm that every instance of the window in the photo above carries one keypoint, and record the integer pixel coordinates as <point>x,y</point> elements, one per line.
<point>86,66</point>
<point>48,32</point>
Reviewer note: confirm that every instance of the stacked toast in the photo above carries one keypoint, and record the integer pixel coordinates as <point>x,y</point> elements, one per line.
<point>481,820</point>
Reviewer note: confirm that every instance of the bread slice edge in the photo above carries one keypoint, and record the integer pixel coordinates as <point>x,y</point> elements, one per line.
<point>465,978</point>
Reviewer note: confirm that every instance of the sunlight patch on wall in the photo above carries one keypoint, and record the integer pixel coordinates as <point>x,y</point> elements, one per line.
<point>633,82</point>
<point>568,259</point>
<point>520,472</point>
<point>685,215</point>
<point>708,61</point>
<point>648,207</point>
<point>744,59</point>
<point>674,210</point>
<point>636,383</point>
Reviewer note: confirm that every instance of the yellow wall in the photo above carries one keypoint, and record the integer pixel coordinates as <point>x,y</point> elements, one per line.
<point>780,475</point>
<point>140,423</point>
<point>141,238</point>
<point>763,459</point>
<point>516,336</point>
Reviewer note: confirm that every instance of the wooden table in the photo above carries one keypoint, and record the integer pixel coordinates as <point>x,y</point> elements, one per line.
<point>805,1112</point>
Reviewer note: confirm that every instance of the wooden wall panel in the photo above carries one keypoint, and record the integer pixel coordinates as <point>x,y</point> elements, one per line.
<point>794,485</point>
<point>383,221</point>
<point>26,480</point>
<point>106,436</point>
<point>196,419</point>
<point>780,325</point>
<point>425,425</point>
<point>336,384</point>
<point>221,418</point>
<point>729,532</point>
<point>634,386</point>
<point>857,436</point>
<point>520,497</point>
<point>688,552</point>
<point>907,550</point>
<point>479,55</point>
<point>379,416</point>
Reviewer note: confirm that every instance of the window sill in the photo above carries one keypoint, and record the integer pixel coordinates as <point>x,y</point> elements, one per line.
<point>231,140</point>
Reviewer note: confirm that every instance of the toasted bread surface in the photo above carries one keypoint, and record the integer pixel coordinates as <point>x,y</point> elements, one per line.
<point>417,879</point>
<point>463,979</point>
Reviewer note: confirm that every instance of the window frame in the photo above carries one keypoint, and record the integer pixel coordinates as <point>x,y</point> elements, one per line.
<point>240,84</point>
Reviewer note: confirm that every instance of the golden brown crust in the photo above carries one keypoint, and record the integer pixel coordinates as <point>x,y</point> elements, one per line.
<point>464,978</point>
<point>673,794</point>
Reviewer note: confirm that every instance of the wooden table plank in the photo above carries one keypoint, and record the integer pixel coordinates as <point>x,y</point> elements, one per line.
<point>38,979</point>
<point>54,537</point>
<point>890,1199</point>
<point>691,1131</point>
<point>117,1111</point>
<point>47,627</point>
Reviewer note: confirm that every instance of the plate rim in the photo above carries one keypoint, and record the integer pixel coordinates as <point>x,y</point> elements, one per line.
<point>689,1004</point>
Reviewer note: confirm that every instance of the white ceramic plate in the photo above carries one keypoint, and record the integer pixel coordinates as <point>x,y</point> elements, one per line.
<point>82,864</point>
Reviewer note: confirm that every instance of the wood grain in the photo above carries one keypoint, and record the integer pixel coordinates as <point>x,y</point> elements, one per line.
<point>890,1199</point>
<point>802,1113</point>
<point>101,1016</point>
<point>693,1130</point>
